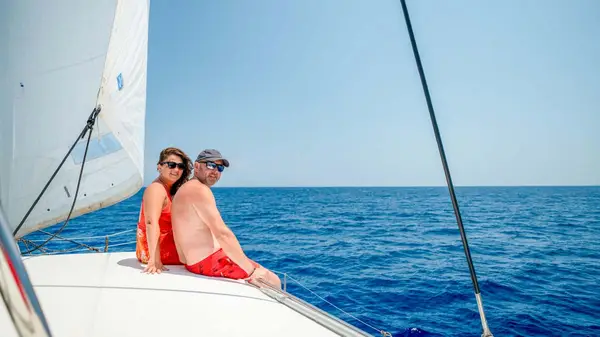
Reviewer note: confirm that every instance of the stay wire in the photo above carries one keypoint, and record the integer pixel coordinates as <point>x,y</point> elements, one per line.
<point>445,165</point>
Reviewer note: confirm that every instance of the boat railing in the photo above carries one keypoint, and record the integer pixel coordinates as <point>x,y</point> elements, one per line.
<point>80,246</point>
<point>300,305</point>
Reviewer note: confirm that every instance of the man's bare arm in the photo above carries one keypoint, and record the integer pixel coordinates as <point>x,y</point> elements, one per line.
<point>206,208</point>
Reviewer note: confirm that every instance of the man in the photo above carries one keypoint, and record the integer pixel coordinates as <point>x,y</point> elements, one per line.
<point>204,243</point>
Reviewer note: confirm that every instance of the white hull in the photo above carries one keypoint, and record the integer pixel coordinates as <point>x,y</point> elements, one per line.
<point>106,294</point>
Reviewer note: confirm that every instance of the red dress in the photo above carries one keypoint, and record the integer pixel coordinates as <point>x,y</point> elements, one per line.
<point>166,241</point>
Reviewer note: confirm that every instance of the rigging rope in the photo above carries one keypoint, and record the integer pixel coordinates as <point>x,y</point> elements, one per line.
<point>47,251</point>
<point>69,240</point>
<point>28,243</point>
<point>382,332</point>
<point>486,331</point>
<point>88,127</point>
<point>87,237</point>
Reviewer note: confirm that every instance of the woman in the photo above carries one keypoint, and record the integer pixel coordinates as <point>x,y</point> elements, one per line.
<point>155,245</point>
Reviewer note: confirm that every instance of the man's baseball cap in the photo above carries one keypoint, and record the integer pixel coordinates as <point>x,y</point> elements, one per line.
<point>211,155</point>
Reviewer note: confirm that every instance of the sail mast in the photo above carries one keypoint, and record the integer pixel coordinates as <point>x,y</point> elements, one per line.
<point>486,331</point>
<point>17,291</point>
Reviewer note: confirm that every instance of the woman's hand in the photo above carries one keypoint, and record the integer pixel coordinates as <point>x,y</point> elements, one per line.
<point>154,267</point>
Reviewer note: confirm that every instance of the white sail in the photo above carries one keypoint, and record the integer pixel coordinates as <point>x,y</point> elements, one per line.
<point>62,59</point>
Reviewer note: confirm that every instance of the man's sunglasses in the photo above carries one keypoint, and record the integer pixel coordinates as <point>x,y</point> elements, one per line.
<point>173,165</point>
<point>211,166</point>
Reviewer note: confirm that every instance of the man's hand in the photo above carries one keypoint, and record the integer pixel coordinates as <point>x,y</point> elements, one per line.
<point>259,274</point>
<point>264,275</point>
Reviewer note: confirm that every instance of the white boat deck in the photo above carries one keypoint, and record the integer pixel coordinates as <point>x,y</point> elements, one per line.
<point>107,295</point>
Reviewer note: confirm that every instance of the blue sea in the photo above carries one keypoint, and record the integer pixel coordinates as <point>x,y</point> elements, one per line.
<point>392,258</point>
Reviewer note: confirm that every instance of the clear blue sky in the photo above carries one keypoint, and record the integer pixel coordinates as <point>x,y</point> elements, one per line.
<point>327,93</point>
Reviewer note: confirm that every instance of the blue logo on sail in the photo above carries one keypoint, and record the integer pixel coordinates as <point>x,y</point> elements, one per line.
<point>120,81</point>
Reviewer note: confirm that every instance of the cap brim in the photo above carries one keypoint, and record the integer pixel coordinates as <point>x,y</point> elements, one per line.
<point>225,161</point>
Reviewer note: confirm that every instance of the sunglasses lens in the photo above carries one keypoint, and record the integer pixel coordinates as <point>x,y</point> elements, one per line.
<point>173,165</point>
<point>212,166</point>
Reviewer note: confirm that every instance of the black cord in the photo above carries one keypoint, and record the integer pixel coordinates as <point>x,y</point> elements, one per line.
<point>88,127</point>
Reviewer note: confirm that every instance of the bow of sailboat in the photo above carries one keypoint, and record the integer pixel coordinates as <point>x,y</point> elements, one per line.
<point>106,294</point>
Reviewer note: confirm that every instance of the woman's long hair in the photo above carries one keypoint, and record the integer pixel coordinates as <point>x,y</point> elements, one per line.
<point>187,162</point>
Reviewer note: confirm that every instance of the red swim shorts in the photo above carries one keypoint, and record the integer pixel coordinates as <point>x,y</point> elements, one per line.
<point>219,265</point>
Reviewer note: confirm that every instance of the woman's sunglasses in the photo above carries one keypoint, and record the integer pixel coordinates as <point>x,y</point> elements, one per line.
<point>173,165</point>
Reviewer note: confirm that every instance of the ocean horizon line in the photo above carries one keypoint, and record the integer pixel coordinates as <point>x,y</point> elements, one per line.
<point>397,186</point>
